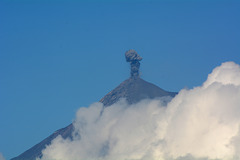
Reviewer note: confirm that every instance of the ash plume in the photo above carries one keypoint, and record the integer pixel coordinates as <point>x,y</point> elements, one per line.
<point>132,57</point>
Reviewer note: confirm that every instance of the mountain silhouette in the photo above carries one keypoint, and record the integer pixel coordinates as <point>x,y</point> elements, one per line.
<point>133,90</point>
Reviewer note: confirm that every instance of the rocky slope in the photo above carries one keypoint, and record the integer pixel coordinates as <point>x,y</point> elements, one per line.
<point>133,89</point>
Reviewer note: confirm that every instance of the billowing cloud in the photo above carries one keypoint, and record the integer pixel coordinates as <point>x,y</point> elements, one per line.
<point>132,57</point>
<point>200,123</point>
<point>1,156</point>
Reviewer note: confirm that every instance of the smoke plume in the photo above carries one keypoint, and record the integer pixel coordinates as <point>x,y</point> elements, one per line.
<point>132,57</point>
<point>201,123</point>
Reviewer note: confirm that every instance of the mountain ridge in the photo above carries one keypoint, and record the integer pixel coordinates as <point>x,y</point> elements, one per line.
<point>133,89</point>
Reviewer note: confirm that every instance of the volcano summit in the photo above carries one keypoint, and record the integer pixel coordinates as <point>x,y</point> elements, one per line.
<point>133,90</point>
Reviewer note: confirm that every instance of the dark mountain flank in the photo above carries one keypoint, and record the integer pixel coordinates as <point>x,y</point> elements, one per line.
<point>133,89</point>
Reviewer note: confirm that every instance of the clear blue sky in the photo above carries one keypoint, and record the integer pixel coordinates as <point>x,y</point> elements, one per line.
<point>56,56</point>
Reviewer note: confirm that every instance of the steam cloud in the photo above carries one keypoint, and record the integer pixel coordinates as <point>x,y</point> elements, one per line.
<point>132,57</point>
<point>200,123</point>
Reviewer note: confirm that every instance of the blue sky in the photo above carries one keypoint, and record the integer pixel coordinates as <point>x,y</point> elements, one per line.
<point>56,56</point>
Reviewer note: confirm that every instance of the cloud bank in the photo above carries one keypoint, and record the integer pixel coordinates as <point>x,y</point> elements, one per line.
<point>1,156</point>
<point>200,123</point>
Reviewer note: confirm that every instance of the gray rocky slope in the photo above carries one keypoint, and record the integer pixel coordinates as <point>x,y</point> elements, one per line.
<point>133,89</point>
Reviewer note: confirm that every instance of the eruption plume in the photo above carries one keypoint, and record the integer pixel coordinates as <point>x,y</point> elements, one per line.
<point>132,57</point>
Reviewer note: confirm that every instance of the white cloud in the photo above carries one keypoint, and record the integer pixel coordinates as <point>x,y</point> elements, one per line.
<point>201,123</point>
<point>1,156</point>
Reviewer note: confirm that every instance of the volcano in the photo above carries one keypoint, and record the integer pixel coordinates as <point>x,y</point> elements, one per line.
<point>133,90</point>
